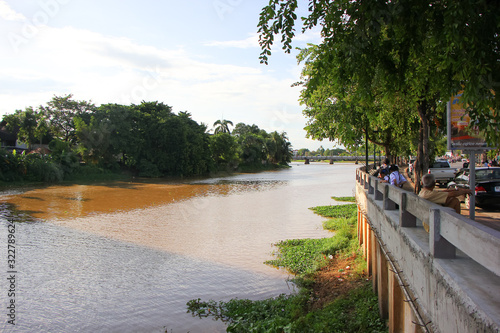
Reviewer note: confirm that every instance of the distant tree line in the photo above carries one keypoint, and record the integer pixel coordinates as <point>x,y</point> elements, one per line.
<point>148,140</point>
<point>321,152</point>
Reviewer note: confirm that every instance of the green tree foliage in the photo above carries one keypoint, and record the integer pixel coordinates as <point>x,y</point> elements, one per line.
<point>60,113</point>
<point>303,152</point>
<point>30,125</point>
<point>94,142</point>
<point>64,156</point>
<point>278,149</point>
<point>147,139</point>
<point>222,126</point>
<point>225,151</point>
<point>385,68</point>
<point>259,147</point>
<point>169,144</point>
<point>122,122</point>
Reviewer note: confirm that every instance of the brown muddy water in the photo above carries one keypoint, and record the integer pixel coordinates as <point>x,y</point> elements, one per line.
<point>127,256</point>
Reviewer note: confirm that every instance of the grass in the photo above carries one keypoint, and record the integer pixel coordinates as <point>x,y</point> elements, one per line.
<point>356,311</point>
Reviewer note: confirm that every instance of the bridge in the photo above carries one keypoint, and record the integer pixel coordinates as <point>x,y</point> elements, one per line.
<point>336,158</point>
<point>446,279</point>
<point>332,159</point>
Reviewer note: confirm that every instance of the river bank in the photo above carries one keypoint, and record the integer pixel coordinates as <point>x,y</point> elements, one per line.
<point>335,293</point>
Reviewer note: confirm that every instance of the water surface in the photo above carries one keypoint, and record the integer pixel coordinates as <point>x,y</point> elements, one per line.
<point>127,256</point>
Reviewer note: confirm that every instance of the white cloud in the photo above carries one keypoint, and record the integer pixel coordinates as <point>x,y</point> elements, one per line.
<point>250,42</point>
<point>103,68</point>
<point>309,36</point>
<point>9,14</point>
<point>107,69</point>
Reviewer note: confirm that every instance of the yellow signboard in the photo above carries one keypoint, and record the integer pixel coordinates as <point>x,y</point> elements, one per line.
<point>460,134</point>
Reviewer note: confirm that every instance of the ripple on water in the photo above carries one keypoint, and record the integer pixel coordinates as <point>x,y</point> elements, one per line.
<point>128,256</point>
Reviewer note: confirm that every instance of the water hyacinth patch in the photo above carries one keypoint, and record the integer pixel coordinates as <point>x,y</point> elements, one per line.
<point>354,312</point>
<point>337,211</point>
<point>305,256</point>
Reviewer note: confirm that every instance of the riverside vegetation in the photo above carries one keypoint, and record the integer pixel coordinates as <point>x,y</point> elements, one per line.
<point>334,292</point>
<point>145,140</point>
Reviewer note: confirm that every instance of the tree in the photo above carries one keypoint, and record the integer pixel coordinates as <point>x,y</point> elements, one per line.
<point>242,129</point>
<point>29,125</point>
<point>225,150</point>
<point>61,111</point>
<point>222,126</point>
<point>278,148</point>
<point>94,142</point>
<point>169,144</point>
<point>303,152</point>
<point>122,121</point>
<point>405,53</point>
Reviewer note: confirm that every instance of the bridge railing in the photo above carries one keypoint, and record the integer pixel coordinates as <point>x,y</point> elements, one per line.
<point>339,158</point>
<point>447,230</point>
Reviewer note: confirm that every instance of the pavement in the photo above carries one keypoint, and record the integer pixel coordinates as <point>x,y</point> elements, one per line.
<point>489,218</point>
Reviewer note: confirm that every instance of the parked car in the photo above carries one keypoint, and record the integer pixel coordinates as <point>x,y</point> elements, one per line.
<point>442,171</point>
<point>487,189</point>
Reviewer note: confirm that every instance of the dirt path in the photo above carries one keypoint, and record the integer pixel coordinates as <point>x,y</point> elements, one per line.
<point>335,280</point>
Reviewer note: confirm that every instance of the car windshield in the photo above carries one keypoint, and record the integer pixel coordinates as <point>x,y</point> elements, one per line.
<point>440,165</point>
<point>488,174</point>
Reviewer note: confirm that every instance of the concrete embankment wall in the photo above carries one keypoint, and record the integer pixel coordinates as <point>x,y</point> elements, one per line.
<point>444,280</point>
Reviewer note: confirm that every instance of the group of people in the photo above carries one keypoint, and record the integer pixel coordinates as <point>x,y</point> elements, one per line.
<point>448,198</point>
<point>491,163</point>
<point>390,174</point>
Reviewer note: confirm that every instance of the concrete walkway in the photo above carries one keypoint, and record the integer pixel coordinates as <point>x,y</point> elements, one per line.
<point>489,218</point>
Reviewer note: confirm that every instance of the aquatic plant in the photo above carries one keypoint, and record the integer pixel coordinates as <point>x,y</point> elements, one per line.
<point>357,311</point>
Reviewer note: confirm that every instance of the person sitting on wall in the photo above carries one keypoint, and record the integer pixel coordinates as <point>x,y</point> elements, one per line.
<point>397,179</point>
<point>385,165</point>
<point>384,175</point>
<point>447,198</point>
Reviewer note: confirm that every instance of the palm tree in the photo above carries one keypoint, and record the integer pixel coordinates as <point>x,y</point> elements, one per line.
<point>279,149</point>
<point>222,126</point>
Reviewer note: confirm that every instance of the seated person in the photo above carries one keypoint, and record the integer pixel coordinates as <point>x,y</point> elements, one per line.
<point>447,198</point>
<point>384,175</point>
<point>397,179</point>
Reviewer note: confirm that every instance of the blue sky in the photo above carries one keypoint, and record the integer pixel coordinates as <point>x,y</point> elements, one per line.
<point>200,56</point>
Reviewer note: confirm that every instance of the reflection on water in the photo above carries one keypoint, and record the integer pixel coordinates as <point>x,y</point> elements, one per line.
<point>72,201</point>
<point>128,256</point>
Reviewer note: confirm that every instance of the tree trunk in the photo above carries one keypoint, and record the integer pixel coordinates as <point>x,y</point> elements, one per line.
<point>422,163</point>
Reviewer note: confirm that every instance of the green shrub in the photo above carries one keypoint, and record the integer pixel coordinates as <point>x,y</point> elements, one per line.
<point>148,169</point>
<point>39,168</point>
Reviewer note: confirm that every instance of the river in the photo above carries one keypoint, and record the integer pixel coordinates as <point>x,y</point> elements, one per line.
<point>127,256</point>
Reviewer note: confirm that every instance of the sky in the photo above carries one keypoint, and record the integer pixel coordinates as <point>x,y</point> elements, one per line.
<point>199,56</point>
